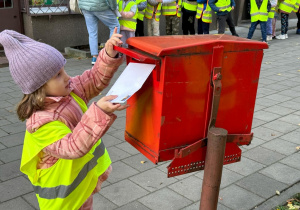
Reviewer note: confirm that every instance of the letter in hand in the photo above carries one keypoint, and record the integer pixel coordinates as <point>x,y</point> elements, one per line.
<point>105,104</point>
<point>115,40</point>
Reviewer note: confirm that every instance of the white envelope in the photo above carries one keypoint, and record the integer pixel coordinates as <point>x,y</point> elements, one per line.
<point>130,81</point>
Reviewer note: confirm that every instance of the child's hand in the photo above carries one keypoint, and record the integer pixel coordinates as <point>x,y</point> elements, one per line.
<point>113,41</point>
<point>105,104</point>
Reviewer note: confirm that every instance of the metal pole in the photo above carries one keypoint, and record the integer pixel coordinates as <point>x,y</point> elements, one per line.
<point>216,142</point>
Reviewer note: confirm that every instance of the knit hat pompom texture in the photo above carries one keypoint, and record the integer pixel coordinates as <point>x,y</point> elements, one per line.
<point>31,63</point>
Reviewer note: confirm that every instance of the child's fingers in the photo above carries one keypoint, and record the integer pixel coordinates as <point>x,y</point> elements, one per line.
<point>115,30</point>
<point>123,107</point>
<point>109,98</point>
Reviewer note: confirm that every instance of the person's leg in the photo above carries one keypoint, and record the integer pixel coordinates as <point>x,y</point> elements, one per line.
<point>286,24</point>
<point>191,24</point>
<point>298,23</point>
<point>231,25</point>
<point>205,27</point>
<point>274,28</point>
<point>175,25</point>
<point>92,27</point>
<point>221,19</point>
<point>168,25</point>
<point>139,28</point>
<point>252,29</point>
<point>149,27</point>
<point>185,29</point>
<point>200,26</point>
<point>269,29</point>
<point>108,18</point>
<point>155,25</point>
<point>263,28</point>
<point>282,23</point>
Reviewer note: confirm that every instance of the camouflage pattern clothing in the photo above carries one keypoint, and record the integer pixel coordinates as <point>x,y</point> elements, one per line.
<point>172,25</point>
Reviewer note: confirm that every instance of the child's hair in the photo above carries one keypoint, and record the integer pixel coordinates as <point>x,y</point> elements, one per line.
<point>30,103</point>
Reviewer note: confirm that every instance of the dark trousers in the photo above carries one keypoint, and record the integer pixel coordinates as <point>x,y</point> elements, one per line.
<point>203,28</point>
<point>298,16</point>
<point>226,18</point>
<point>139,28</point>
<point>284,23</point>
<point>188,22</point>
<point>263,28</point>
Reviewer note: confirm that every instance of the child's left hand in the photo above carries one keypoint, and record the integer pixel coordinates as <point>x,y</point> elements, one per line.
<point>113,41</point>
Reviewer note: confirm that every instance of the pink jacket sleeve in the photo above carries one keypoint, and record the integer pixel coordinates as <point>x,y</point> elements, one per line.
<point>92,126</point>
<point>93,81</point>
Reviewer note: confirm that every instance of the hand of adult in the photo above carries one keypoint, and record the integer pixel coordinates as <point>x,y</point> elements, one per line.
<point>113,41</point>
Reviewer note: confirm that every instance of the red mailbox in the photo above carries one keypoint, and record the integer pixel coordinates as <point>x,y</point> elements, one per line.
<point>169,117</point>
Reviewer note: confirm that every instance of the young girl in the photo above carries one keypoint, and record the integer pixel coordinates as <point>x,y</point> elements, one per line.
<point>63,155</point>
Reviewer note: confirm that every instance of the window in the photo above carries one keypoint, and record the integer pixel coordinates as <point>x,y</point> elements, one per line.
<point>6,4</point>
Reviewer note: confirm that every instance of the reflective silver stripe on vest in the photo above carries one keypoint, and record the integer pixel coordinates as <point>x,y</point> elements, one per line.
<point>287,4</point>
<point>128,19</point>
<point>62,191</point>
<point>259,13</point>
<point>224,7</point>
<point>169,10</point>
<point>191,2</point>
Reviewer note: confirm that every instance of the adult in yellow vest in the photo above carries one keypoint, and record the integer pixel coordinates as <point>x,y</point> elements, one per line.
<point>204,16</point>
<point>152,13</point>
<point>298,16</point>
<point>285,8</point>
<point>223,10</point>
<point>259,15</point>
<point>141,4</point>
<point>271,16</point>
<point>188,9</point>
<point>128,11</point>
<point>171,9</point>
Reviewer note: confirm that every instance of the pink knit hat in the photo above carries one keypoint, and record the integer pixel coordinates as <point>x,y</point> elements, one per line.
<point>31,63</point>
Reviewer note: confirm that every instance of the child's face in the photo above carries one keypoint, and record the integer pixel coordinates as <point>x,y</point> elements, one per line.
<point>59,85</point>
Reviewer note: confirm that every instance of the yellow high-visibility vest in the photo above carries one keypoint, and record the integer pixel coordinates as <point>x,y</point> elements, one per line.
<point>271,14</point>
<point>296,6</point>
<point>127,22</point>
<point>224,5</point>
<point>149,12</point>
<point>189,5</point>
<point>206,14</point>
<point>69,182</point>
<point>287,5</point>
<point>169,9</point>
<point>260,14</point>
<point>140,14</point>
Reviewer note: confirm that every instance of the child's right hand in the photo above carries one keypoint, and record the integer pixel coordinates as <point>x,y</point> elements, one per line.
<point>105,104</point>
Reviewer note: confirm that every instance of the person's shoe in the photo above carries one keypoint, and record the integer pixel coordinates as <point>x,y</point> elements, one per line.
<point>298,31</point>
<point>235,35</point>
<point>286,36</point>
<point>269,38</point>
<point>273,37</point>
<point>94,60</point>
<point>281,36</point>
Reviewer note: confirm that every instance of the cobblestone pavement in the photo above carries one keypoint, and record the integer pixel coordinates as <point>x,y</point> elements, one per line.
<point>269,164</point>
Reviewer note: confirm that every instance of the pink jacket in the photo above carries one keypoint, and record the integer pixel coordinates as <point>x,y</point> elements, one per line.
<point>86,128</point>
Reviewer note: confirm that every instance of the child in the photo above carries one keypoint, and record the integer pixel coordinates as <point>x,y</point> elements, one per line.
<point>63,155</point>
<point>271,16</point>
<point>171,10</point>
<point>204,16</point>
<point>189,8</point>
<point>223,10</point>
<point>152,13</point>
<point>259,15</point>
<point>285,8</point>
<point>141,4</point>
<point>128,11</point>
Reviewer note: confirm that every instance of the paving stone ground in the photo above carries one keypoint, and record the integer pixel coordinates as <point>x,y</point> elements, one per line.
<point>270,163</point>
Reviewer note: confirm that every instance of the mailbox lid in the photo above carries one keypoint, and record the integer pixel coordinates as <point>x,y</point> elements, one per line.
<point>181,44</point>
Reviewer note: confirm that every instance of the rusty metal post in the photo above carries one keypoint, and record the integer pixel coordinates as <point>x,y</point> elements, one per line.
<point>216,142</point>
